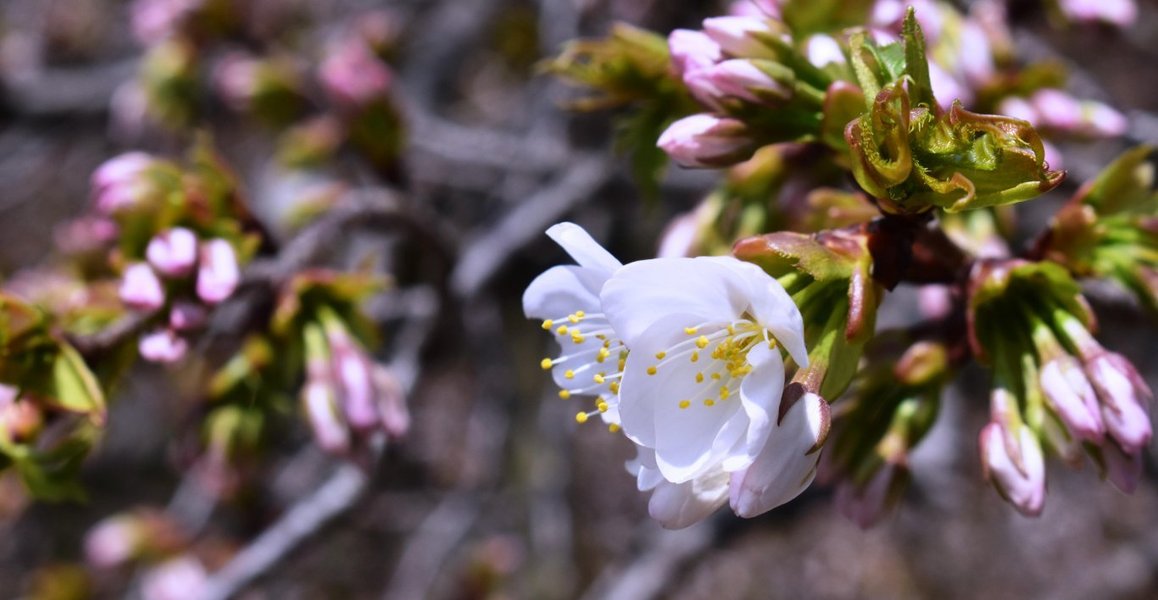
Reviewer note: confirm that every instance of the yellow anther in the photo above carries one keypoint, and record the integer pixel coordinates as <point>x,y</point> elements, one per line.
<point>659,355</point>
<point>690,330</point>
<point>580,314</point>
<point>772,344</point>
<point>599,378</point>
<point>602,406</point>
<point>569,374</point>
<point>548,324</point>
<point>724,393</point>
<point>564,394</point>
<point>709,402</point>
<point>602,355</point>
<point>581,418</point>
<point>562,330</point>
<point>699,377</point>
<point>546,363</point>
<point>731,330</point>
<point>613,428</point>
<point>702,342</point>
<point>651,370</point>
<point>685,403</point>
<point>695,356</point>
<point>716,376</point>
<point>577,338</point>
<point>573,318</point>
<point>614,387</point>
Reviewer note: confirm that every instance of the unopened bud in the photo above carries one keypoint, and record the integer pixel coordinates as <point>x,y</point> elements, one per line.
<point>119,182</point>
<point>704,140</point>
<point>787,464</point>
<point>140,288</point>
<point>320,403</point>
<point>1121,13</point>
<point>162,346</point>
<point>866,504</point>
<point>1071,397</point>
<point>751,80</point>
<point>1013,462</point>
<point>1124,399</point>
<point>176,579</point>
<point>353,76</point>
<point>218,273</point>
<point>173,252</point>
<point>353,371</point>
<point>187,316</point>
<point>692,50</point>
<point>113,542</point>
<point>1123,469</point>
<point>740,36</point>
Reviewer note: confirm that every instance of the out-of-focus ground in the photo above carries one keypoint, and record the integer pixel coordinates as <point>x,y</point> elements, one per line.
<point>497,492</point>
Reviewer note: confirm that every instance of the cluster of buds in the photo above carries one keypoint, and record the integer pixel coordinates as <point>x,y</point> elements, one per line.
<point>1109,228</point>
<point>347,396</point>
<point>758,87</point>
<point>1055,386</point>
<point>1057,112</point>
<point>1119,13</point>
<point>185,270</point>
<point>894,405</point>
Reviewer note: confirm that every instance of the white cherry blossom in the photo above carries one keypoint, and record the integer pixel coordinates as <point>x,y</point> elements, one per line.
<point>703,382</point>
<point>566,298</point>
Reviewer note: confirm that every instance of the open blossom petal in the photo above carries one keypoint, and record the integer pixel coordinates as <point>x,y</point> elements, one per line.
<point>678,505</point>
<point>583,248</point>
<point>787,463</point>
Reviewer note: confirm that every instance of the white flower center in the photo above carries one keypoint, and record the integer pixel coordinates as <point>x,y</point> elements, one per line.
<point>716,361</point>
<point>593,358</point>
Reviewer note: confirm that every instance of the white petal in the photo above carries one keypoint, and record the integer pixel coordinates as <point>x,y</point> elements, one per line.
<point>562,290</point>
<point>772,307</point>
<point>583,248</point>
<point>783,469</point>
<point>638,390</point>
<point>643,467</point>
<point>676,506</point>
<point>760,397</point>
<point>642,292</point>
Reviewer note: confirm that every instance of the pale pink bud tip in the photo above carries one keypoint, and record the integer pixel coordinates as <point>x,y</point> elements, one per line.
<point>1124,399</point>
<point>1070,395</point>
<point>319,400</point>
<point>173,252</point>
<point>112,542</point>
<point>353,75</point>
<point>1015,466</point>
<point>218,274</point>
<point>140,288</point>
<point>163,346</point>
<point>187,316</point>
<point>692,50</point>
<point>177,579</point>
<point>738,36</point>
<point>353,369</point>
<point>703,140</point>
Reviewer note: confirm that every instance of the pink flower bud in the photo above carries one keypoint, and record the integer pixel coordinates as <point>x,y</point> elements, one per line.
<point>742,79</point>
<point>187,316</point>
<point>218,273</point>
<point>86,235</point>
<point>355,383</point>
<point>1122,13</point>
<point>320,403</point>
<point>787,463</point>
<point>1014,463</point>
<point>767,7</point>
<point>1058,109</point>
<point>1019,108</point>
<point>1122,469</point>
<point>692,50</point>
<point>113,541</point>
<point>704,140</point>
<point>1071,397</point>
<point>176,579</point>
<point>162,346</point>
<point>865,505</point>
<point>1124,399</point>
<point>140,288</point>
<point>20,419</point>
<point>353,76</point>
<point>118,182</point>
<point>173,252</point>
<point>1100,120</point>
<point>738,36</point>
<point>935,301</point>
<point>236,79</point>
<point>975,54</point>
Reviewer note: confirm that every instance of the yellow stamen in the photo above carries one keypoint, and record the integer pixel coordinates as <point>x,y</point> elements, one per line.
<point>548,324</point>
<point>580,314</point>
<point>614,387</point>
<point>659,355</point>
<point>546,363</point>
<point>695,356</point>
<point>562,330</point>
<point>564,394</point>
<point>599,378</point>
<point>651,370</point>
<point>699,377</point>
<point>685,403</point>
<point>569,374</point>
<point>702,342</point>
<point>709,402</point>
<point>613,428</point>
<point>690,330</point>
<point>581,418</point>
<point>573,318</point>
<point>602,406</point>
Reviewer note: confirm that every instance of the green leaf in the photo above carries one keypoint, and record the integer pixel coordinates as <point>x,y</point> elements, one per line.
<point>75,387</point>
